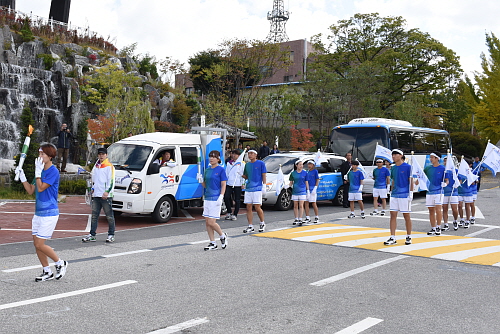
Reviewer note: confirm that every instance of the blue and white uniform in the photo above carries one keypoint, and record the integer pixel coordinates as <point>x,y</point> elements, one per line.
<point>299,189</point>
<point>253,188</point>
<point>355,178</point>
<point>213,178</point>
<point>400,195</point>
<point>436,176</point>
<point>380,182</point>
<point>46,208</point>
<point>312,177</point>
<point>450,193</point>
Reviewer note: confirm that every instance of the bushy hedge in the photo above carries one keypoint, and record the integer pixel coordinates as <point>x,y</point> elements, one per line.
<point>72,187</point>
<point>464,143</point>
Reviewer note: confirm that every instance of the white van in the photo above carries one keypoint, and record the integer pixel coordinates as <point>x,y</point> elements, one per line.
<point>143,187</point>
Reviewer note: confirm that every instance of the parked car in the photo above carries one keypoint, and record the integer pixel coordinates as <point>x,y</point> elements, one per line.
<point>329,172</point>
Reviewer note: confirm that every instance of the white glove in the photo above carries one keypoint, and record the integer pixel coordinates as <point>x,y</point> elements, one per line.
<point>199,177</point>
<point>219,200</point>
<point>38,167</point>
<point>264,191</point>
<point>443,184</point>
<point>22,176</point>
<point>360,188</point>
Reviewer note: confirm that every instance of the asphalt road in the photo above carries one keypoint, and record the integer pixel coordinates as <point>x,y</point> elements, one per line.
<point>160,279</point>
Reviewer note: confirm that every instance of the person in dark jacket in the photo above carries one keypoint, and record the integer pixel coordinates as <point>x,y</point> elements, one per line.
<point>63,143</point>
<point>264,150</point>
<point>344,169</point>
<point>275,149</point>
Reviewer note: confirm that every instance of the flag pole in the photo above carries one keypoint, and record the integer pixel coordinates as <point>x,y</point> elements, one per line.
<point>374,154</point>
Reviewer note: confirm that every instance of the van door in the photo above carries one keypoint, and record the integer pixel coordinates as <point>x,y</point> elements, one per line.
<point>165,182</point>
<point>190,165</point>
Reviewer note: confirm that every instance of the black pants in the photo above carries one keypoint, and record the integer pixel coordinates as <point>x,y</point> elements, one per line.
<point>232,194</point>
<point>346,195</point>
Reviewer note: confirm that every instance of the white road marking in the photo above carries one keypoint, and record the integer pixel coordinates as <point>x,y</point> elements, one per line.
<point>431,244</point>
<point>360,326</point>
<point>65,295</point>
<point>25,268</point>
<point>462,255</point>
<point>357,271</point>
<point>198,242</point>
<point>127,253</point>
<point>328,228</point>
<point>280,229</point>
<point>335,235</point>
<point>181,326</point>
<point>366,241</point>
<point>483,225</point>
<point>481,231</point>
<point>186,214</point>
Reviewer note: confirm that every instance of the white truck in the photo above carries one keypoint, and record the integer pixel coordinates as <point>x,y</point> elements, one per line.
<point>144,187</point>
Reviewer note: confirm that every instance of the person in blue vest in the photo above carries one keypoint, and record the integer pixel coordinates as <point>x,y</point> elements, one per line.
<point>356,178</point>
<point>450,198</point>
<point>381,177</point>
<point>299,191</point>
<point>214,182</point>
<point>434,197</point>
<point>401,196</point>
<point>312,183</point>
<point>464,198</point>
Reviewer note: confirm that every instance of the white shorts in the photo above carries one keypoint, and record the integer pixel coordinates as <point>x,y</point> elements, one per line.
<point>43,227</point>
<point>253,197</point>
<point>382,193</point>
<point>211,209</point>
<point>450,200</point>
<point>355,197</point>
<point>433,200</point>
<point>474,197</point>
<point>402,205</point>
<point>466,199</point>
<point>299,197</point>
<point>312,197</point>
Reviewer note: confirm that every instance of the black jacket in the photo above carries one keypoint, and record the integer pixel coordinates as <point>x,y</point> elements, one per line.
<point>344,168</point>
<point>64,139</point>
<point>264,151</point>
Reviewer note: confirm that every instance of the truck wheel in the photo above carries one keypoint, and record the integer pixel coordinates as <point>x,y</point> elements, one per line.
<point>339,197</point>
<point>163,210</point>
<point>284,202</point>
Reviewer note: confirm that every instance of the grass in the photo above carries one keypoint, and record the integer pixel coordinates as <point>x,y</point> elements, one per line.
<point>7,193</point>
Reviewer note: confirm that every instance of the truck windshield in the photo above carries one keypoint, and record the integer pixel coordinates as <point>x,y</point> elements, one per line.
<point>131,157</point>
<point>361,142</point>
<point>273,163</point>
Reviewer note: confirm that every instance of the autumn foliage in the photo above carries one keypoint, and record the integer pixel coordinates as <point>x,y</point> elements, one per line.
<point>301,139</point>
<point>101,128</point>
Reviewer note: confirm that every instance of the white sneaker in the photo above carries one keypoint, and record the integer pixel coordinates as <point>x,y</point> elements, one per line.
<point>233,217</point>
<point>228,217</point>
<point>262,227</point>
<point>223,241</point>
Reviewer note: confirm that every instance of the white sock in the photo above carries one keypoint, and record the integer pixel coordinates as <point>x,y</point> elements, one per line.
<point>223,236</point>
<point>262,223</point>
<point>317,217</point>
<point>352,212</point>
<point>307,217</point>
<point>47,269</point>
<point>59,263</point>
<point>473,217</point>
<point>393,237</point>
<point>362,211</point>
<point>250,225</point>
<point>376,210</point>
<point>439,226</point>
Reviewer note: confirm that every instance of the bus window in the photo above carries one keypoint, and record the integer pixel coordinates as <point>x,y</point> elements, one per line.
<point>343,140</point>
<point>424,142</point>
<point>404,138</point>
<point>442,142</point>
<point>366,142</point>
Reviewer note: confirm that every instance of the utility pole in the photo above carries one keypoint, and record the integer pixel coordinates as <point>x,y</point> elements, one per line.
<point>278,17</point>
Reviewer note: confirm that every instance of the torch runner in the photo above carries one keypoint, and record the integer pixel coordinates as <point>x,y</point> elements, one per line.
<point>24,151</point>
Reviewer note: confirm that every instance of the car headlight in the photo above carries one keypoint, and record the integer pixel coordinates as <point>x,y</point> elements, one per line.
<point>135,186</point>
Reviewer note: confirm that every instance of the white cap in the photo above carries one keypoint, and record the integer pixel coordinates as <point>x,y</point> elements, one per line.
<point>397,151</point>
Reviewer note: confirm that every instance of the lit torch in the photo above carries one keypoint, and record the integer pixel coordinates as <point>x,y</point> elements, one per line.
<point>24,151</point>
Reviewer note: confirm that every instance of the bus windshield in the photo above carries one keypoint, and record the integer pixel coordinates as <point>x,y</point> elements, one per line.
<point>361,142</point>
<point>127,156</point>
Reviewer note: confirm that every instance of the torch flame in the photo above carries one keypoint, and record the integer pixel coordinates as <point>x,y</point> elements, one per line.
<point>30,130</point>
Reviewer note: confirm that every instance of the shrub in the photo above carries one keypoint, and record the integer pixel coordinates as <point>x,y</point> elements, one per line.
<point>73,187</point>
<point>48,60</point>
<point>26,32</point>
<point>466,144</point>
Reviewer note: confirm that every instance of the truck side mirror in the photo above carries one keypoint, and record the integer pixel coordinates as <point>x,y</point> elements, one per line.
<point>153,169</point>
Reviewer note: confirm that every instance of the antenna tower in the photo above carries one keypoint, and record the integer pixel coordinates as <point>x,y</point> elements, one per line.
<point>278,17</point>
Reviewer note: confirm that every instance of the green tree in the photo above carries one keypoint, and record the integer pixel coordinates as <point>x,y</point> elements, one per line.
<point>395,61</point>
<point>117,96</point>
<point>487,111</point>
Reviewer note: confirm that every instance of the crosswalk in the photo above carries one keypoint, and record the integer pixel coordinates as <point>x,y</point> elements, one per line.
<point>446,246</point>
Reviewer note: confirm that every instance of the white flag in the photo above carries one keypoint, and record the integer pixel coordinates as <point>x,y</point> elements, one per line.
<point>360,167</point>
<point>280,181</point>
<point>317,159</point>
<point>418,173</point>
<point>383,153</point>
<point>450,166</point>
<point>490,147</point>
<point>492,161</point>
<point>465,171</point>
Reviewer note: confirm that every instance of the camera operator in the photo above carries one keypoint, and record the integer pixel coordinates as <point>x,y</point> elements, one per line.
<point>63,143</point>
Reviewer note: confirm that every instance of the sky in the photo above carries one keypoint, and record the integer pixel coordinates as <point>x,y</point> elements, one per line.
<point>181,28</point>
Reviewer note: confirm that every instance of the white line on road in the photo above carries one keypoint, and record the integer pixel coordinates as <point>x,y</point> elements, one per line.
<point>186,214</point>
<point>181,326</point>
<point>25,268</point>
<point>360,326</point>
<point>357,271</point>
<point>481,231</point>
<point>280,229</point>
<point>65,294</point>
<point>198,242</point>
<point>127,253</point>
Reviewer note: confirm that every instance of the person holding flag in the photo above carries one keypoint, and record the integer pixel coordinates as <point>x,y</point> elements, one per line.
<point>234,171</point>
<point>356,177</point>
<point>474,189</point>
<point>434,199</point>
<point>312,179</point>
<point>401,196</point>
<point>464,193</point>
<point>381,177</point>
<point>255,174</point>
<point>450,197</point>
